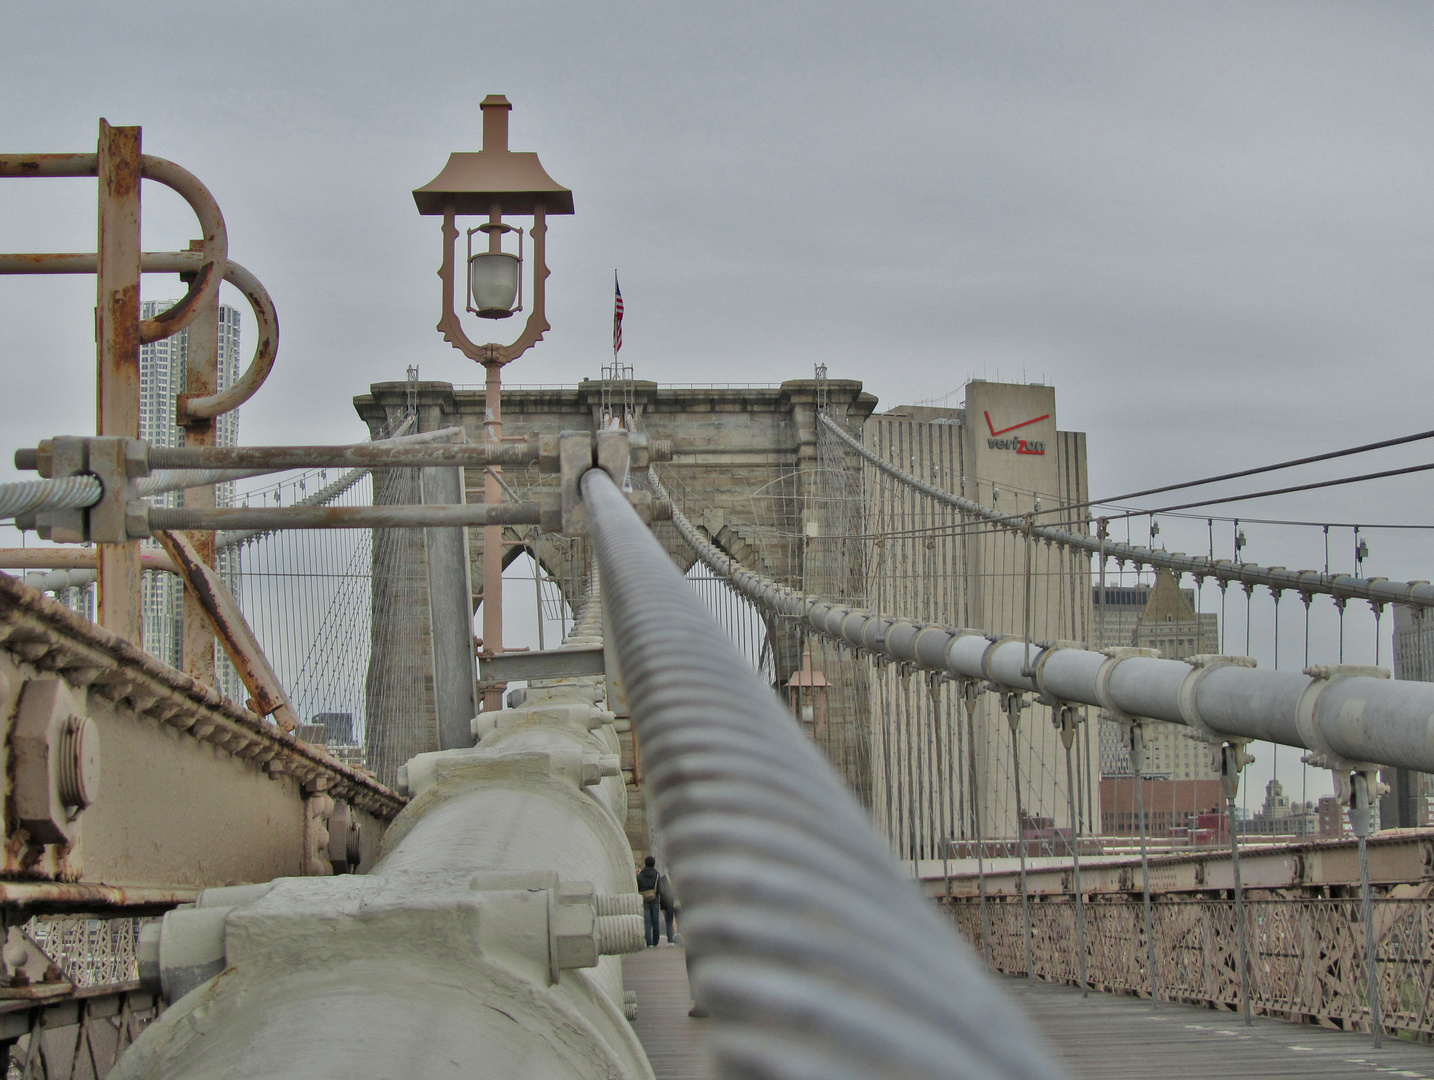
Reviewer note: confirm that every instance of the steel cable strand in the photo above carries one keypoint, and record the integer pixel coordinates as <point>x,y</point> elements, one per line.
<point>1343,586</point>
<point>775,1018</point>
<point>35,496</point>
<point>772,911</point>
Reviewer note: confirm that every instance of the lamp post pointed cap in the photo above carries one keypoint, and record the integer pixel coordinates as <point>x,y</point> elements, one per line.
<point>495,108</point>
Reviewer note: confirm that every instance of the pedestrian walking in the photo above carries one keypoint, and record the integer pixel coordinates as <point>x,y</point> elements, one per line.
<point>667,901</point>
<point>647,879</point>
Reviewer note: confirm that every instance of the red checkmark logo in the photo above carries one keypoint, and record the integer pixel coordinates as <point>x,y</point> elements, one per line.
<point>1013,427</point>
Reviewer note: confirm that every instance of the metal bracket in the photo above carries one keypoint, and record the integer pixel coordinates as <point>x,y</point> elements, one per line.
<point>552,664</point>
<point>1038,673</point>
<point>116,462</point>
<point>613,450</point>
<point>1113,659</point>
<point>1200,666</point>
<point>1322,755</point>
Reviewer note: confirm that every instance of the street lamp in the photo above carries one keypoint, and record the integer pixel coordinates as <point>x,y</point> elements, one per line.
<point>493,182</point>
<point>809,695</point>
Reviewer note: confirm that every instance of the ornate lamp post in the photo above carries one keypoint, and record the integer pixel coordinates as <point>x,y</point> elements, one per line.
<point>493,182</point>
<point>809,696</point>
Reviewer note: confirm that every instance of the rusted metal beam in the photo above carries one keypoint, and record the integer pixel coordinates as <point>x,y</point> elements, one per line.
<point>74,558</point>
<point>216,604</point>
<point>552,664</point>
<point>205,287</point>
<point>60,896</point>
<point>374,455</point>
<point>118,167</point>
<point>191,405</point>
<point>52,638</point>
<point>347,517</point>
<point>201,379</point>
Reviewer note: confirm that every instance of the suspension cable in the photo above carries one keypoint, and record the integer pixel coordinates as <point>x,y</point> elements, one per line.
<point>809,947</point>
<point>1340,586</point>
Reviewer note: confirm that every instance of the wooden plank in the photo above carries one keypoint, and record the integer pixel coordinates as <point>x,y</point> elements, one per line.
<point>676,1043</point>
<point>1117,1037</point>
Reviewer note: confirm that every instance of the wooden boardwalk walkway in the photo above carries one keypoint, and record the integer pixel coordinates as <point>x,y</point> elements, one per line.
<point>1102,1037</point>
<point>675,1042</point>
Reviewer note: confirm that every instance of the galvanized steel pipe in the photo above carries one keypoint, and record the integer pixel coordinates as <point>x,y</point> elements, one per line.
<point>344,517</point>
<point>809,947</point>
<point>1353,716</point>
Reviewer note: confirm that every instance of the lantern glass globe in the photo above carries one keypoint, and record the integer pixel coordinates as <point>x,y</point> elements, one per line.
<point>493,281</point>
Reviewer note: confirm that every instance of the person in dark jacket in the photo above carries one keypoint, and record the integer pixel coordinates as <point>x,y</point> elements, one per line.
<point>647,886</point>
<point>667,901</point>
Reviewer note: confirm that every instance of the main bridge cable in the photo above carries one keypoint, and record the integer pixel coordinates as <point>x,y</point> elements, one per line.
<point>1277,466</point>
<point>810,949</point>
<point>1312,486</point>
<point>1344,587</point>
<point>1236,702</point>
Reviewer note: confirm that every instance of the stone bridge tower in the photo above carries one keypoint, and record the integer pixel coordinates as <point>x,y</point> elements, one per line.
<point>744,469</point>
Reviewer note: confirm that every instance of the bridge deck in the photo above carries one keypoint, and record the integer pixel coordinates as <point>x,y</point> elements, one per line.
<point>1114,1037</point>
<point>1103,1037</point>
<point>675,1042</point>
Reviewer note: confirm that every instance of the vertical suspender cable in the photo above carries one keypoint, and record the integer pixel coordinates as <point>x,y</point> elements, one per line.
<point>969,694</point>
<point>1013,720</point>
<point>1231,763</point>
<point>1137,763</point>
<point>1068,738</point>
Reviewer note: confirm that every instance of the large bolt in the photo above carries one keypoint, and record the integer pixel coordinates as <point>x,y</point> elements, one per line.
<point>618,904</point>
<point>617,934</point>
<point>55,761</point>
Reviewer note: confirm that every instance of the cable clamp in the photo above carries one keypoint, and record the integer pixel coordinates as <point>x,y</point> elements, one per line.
<point>1113,659</point>
<point>1200,666</point>
<point>1322,755</point>
<point>997,640</point>
<point>1038,673</point>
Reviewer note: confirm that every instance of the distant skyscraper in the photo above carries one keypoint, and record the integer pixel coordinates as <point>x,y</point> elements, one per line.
<point>162,366</point>
<point>1165,620</point>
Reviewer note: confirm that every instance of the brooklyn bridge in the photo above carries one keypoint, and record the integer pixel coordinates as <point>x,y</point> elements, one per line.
<point>342,759</point>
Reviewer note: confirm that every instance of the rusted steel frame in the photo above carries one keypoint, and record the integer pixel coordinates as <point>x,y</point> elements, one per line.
<point>117,166</point>
<point>192,405</point>
<point>373,455</point>
<point>346,517</point>
<point>215,254</point>
<point>332,491</point>
<point>58,896</point>
<point>50,637</point>
<point>65,558</point>
<point>201,379</point>
<point>221,612</point>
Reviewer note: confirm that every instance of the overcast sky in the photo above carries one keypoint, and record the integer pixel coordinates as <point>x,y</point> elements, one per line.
<point>1208,225</point>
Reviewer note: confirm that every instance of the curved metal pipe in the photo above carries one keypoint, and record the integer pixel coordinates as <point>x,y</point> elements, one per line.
<point>266,347</point>
<point>204,289</point>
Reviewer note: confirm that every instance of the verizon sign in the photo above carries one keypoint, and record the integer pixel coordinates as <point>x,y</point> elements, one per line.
<point>1016,443</point>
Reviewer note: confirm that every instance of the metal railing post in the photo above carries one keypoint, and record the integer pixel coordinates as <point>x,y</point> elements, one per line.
<point>117,327</point>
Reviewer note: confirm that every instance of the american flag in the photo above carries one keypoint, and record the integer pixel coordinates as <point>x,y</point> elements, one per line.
<point>616,315</point>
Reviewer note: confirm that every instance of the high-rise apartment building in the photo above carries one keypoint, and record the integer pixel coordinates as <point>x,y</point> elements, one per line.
<point>162,366</point>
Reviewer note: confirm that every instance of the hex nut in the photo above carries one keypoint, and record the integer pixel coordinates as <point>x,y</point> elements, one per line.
<point>57,761</point>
